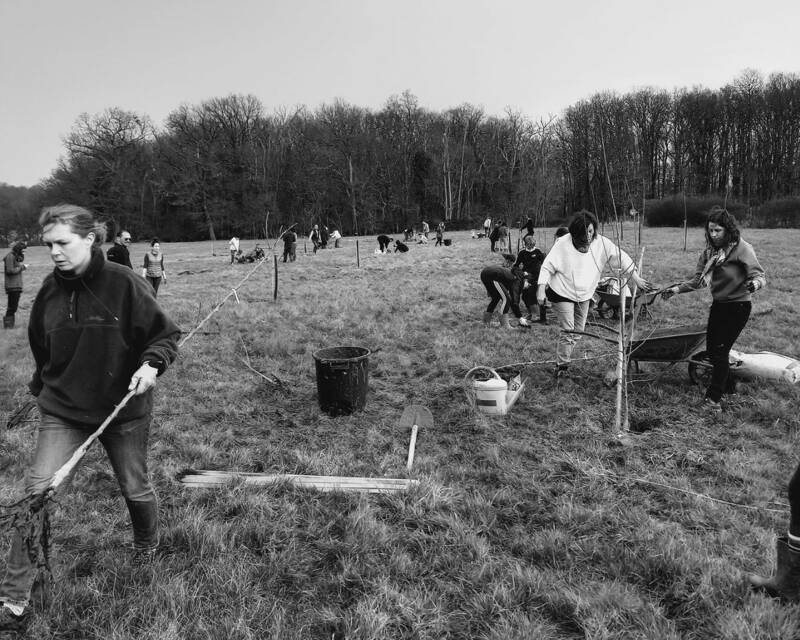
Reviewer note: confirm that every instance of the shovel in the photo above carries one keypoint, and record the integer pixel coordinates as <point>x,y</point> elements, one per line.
<point>415,417</point>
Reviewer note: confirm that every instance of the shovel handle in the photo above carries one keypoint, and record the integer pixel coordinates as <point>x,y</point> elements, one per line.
<point>411,446</point>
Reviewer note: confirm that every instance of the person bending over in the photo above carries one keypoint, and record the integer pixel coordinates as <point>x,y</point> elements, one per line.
<point>503,287</point>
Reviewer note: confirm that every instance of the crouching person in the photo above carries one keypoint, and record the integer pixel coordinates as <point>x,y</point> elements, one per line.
<point>785,584</point>
<point>504,288</point>
<point>96,333</point>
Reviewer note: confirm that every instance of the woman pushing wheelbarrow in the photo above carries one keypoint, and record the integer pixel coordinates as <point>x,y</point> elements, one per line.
<point>730,268</point>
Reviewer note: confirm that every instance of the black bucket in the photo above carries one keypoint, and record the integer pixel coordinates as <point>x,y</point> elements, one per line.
<point>342,379</point>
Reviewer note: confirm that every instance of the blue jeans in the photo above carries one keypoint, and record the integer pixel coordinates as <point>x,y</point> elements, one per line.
<point>571,316</point>
<point>126,446</point>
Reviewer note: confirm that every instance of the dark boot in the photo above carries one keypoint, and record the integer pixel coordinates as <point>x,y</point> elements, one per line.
<point>785,584</point>
<point>10,623</point>
<point>543,314</point>
<point>8,322</point>
<point>144,520</point>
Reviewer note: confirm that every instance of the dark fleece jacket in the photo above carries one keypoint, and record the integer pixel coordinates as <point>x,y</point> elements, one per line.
<point>89,334</point>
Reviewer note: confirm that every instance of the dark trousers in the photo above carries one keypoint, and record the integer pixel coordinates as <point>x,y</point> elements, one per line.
<point>725,322</point>
<point>155,283</point>
<point>794,502</point>
<point>498,294</point>
<point>13,302</point>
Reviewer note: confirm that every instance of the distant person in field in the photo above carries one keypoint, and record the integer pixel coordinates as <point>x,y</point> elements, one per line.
<point>408,234</point>
<point>13,266</point>
<point>289,245</point>
<point>529,262</point>
<point>426,229</point>
<point>96,333</point>
<point>336,237</point>
<point>503,287</point>
<point>402,247</point>
<point>730,268</point>
<point>383,243</point>
<point>503,235</point>
<point>315,238</point>
<point>233,247</point>
<point>785,584</point>
<point>324,235</point>
<point>569,276</point>
<point>528,228</point>
<point>494,235</point>
<point>153,267</point>
<point>487,227</point>
<point>439,234</point>
<point>119,252</point>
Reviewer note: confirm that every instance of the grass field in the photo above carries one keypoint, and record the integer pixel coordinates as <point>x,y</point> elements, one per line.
<point>539,524</point>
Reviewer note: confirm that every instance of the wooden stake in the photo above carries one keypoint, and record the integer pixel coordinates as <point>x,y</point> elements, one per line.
<point>275,278</point>
<point>211,479</point>
<point>358,257</point>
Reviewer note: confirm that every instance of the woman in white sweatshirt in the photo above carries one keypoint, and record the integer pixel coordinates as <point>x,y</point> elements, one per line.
<point>569,277</point>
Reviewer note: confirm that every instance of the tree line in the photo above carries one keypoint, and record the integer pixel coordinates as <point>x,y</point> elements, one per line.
<point>224,167</point>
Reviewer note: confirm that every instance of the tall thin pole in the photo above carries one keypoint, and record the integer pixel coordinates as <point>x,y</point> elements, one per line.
<point>358,257</point>
<point>275,277</point>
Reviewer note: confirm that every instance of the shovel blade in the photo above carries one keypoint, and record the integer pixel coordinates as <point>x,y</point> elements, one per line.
<point>416,414</point>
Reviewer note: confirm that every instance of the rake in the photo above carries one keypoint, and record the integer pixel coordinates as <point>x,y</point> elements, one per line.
<point>30,516</point>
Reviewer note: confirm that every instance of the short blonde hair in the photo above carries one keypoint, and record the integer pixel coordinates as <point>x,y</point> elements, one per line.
<point>80,220</point>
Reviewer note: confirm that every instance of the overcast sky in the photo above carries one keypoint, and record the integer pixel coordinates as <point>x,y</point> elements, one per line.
<point>60,58</point>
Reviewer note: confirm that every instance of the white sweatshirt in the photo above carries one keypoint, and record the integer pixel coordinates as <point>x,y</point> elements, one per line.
<point>575,275</point>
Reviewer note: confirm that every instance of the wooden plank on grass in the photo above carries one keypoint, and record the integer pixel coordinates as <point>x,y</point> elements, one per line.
<point>210,479</point>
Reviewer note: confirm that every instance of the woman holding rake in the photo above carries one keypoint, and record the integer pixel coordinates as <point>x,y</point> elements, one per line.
<point>97,334</point>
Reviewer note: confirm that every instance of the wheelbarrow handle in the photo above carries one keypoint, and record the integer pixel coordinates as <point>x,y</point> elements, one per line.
<point>592,335</point>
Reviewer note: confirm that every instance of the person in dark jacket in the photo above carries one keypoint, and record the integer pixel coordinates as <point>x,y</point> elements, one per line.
<point>527,228</point>
<point>13,266</point>
<point>400,246</point>
<point>383,243</point>
<point>96,333</point>
<point>290,245</point>
<point>119,252</point>
<point>504,288</point>
<point>529,262</point>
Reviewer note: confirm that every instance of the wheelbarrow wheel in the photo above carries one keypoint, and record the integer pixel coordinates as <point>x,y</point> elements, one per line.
<point>606,312</point>
<point>700,369</point>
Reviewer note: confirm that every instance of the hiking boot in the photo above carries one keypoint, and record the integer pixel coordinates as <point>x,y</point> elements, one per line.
<point>10,622</point>
<point>785,584</point>
<point>8,322</point>
<point>707,405</point>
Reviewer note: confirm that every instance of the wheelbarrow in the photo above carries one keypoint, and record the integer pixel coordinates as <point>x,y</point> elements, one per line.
<point>608,305</point>
<point>670,344</point>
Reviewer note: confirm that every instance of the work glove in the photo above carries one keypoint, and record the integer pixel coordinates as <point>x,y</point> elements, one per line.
<point>753,285</point>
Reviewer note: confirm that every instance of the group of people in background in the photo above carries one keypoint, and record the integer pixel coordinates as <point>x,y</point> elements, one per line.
<point>152,265</point>
<point>14,264</point>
